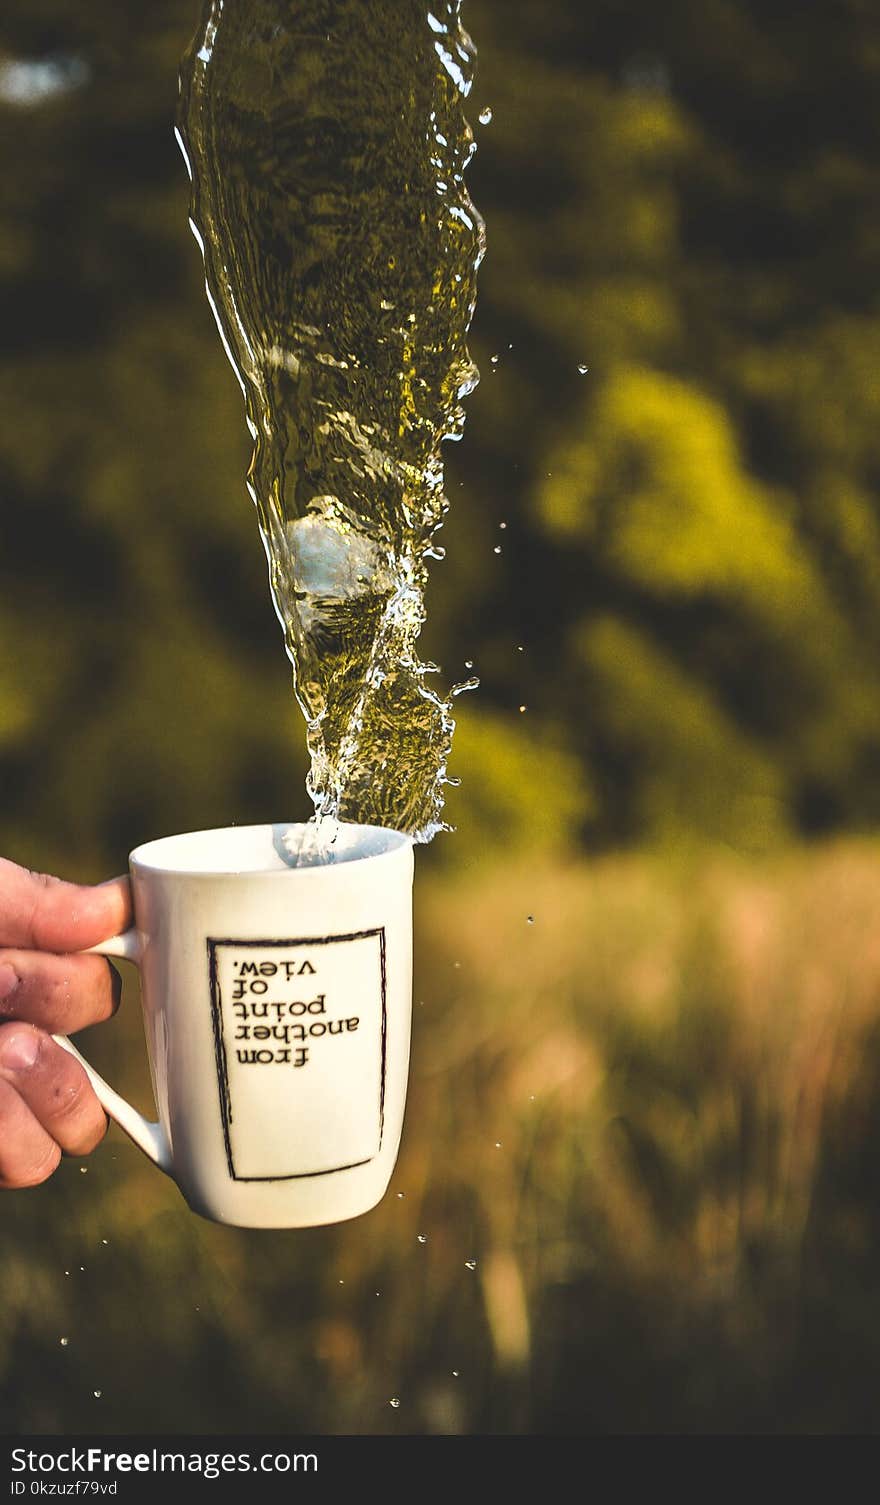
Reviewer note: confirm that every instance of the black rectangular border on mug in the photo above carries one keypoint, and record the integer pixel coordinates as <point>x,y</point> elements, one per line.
<point>214,944</point>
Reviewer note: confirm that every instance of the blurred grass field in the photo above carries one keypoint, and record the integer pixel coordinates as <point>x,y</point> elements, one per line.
<point>641,1148</point>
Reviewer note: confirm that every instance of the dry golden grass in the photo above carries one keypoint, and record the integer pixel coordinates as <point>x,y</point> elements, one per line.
<point>642,1148</point>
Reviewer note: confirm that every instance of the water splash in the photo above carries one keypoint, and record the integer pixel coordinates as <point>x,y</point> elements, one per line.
<point>327,144</point>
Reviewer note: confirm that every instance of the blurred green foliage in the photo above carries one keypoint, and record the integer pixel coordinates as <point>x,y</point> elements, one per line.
<point>683,199</point>
<point>686,598</point>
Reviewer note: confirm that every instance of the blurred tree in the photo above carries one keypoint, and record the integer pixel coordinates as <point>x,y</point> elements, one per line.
<point>143,687</point>
<point>678,433</point>
<point>684,202</point>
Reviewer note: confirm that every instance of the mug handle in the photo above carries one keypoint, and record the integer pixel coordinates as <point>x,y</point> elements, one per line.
<point>149,1137</point>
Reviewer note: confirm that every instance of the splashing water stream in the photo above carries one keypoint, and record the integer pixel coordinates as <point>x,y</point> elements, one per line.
<point>327,144</point>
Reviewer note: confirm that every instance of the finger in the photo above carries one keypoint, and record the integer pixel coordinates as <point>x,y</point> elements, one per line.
<point>28,1155</point>
<point>59,993</point>
<point>53,1086</point>
<point>46,914</point>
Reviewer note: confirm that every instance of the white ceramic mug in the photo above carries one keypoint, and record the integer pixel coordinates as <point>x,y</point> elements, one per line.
<point>276,982</point>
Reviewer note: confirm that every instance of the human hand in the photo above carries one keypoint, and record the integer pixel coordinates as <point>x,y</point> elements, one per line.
<point>47,1105</point>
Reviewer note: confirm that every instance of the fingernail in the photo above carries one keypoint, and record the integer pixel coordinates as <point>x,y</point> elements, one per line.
<point>8,980</point>
<point>115,984</point>
<point>19,1049</point>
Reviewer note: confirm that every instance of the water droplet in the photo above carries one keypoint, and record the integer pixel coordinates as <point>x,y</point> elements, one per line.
<point>497,549</point>
<point>502,525</point>
<point>455,1374</point>
<point>470,1264</point>
<point>498,1144</point>
<point>97,1394</point>
<point>82,1267</point>
<point>378,1293</point>
<point>583,370</point>
<point>523,709</point>
<point>105,1241</point>
<point>469,663</point>
<point>83,1170</point>
<point>394,1401</point>
<point>64,1342</point>
<point>530,919</point>
<point>520,648</point>
<point>422,1238</point>
<point>342,1282</point>
<point>485,115</point>
<point>494,359</point>
<point>67,1272</point>
<point>456,964</point>
<point>401,1195</point>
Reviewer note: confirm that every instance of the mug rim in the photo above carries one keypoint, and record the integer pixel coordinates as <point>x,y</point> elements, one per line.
<point>152,856</point>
